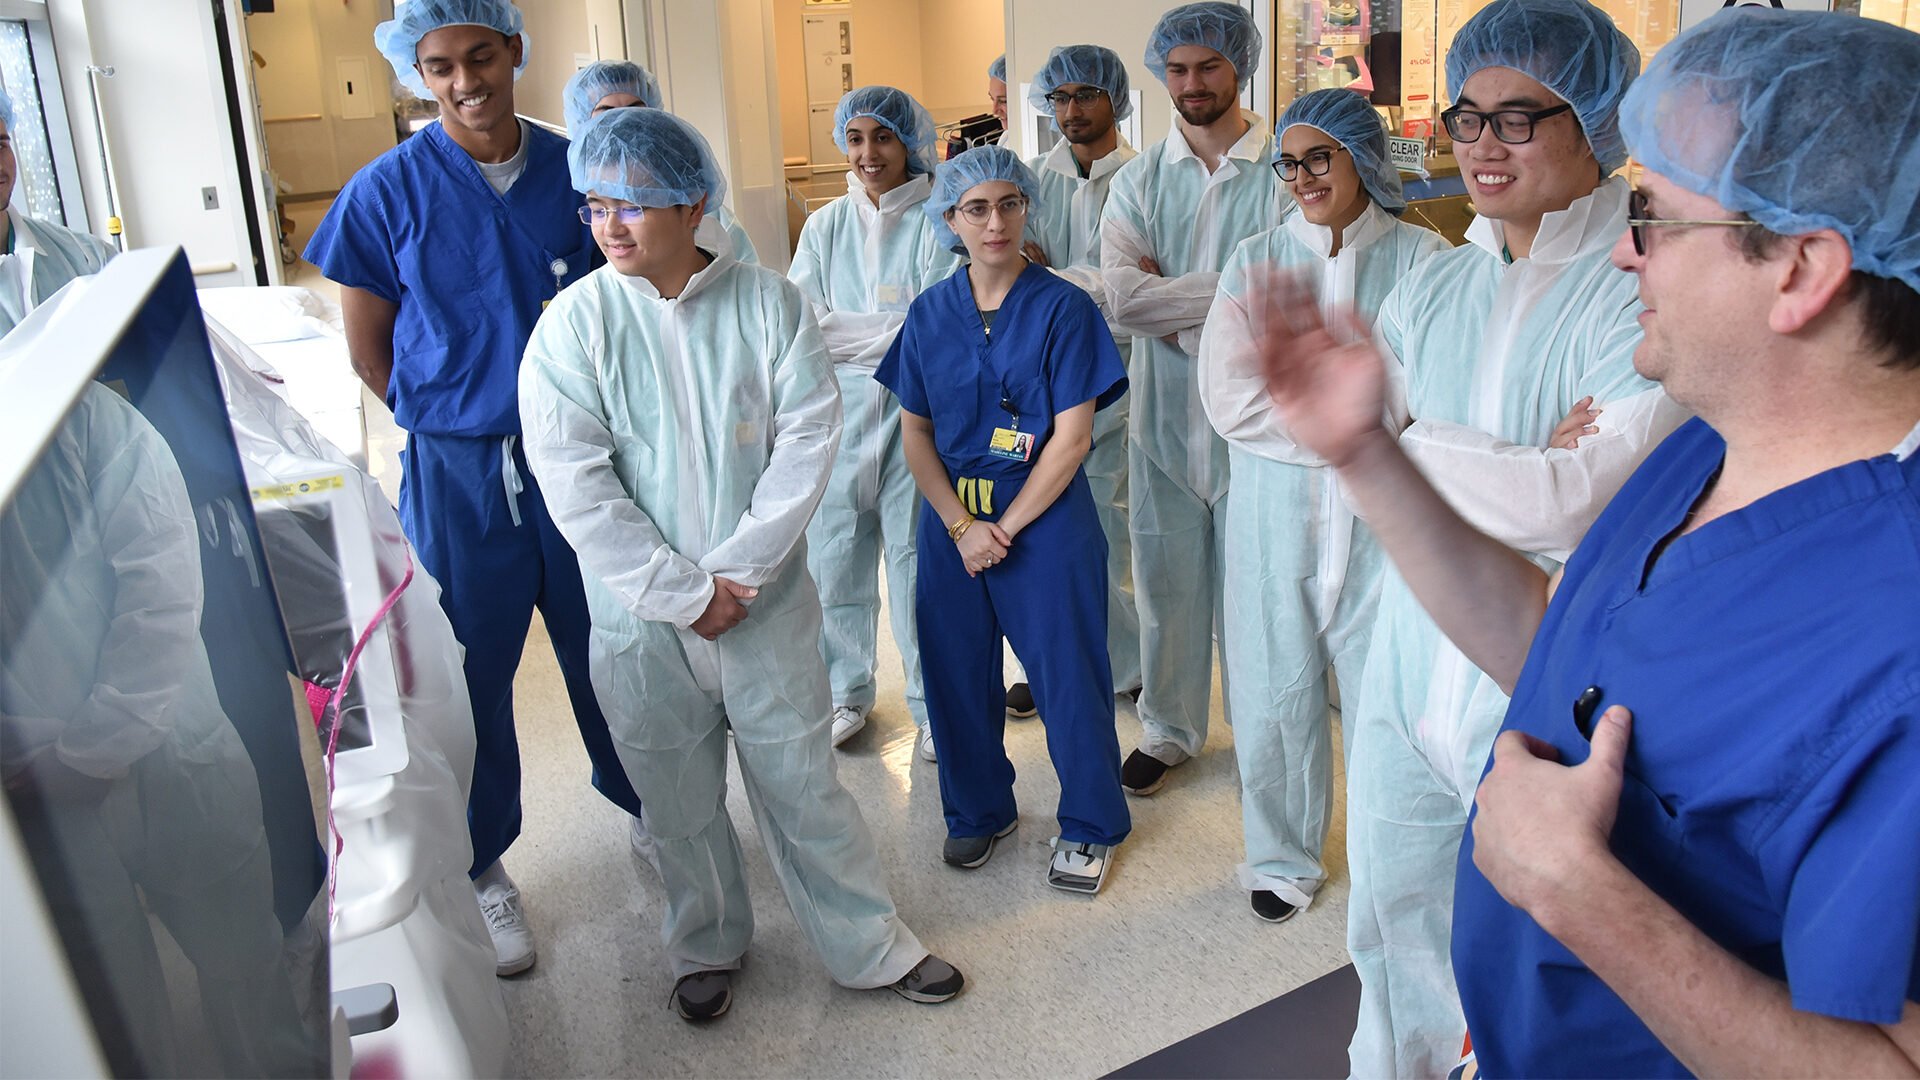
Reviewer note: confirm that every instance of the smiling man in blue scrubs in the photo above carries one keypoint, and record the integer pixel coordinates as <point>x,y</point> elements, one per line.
<point>1697,849</point>
<point>446,249</point>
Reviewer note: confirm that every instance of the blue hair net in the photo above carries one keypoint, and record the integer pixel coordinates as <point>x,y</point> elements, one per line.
<point>998,69</point>
<point>1088,65</point>
<point>1569,46</point>
<point>1225,28</point>
<point>596,81</point>
<point>963,173</point>
<point>6,108</point>
<point>907,118</point>
<point>398,39</point>
<point>1350,120</point>
<point>1801,120</point>
<point>647,157</point>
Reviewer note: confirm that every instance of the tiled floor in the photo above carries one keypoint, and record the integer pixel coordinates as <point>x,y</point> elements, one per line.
<point>1060,986</point>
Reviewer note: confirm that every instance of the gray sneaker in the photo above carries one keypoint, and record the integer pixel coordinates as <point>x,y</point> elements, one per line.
<point>1079,867</point>
<point>971,852</point>
<point>931,982</point>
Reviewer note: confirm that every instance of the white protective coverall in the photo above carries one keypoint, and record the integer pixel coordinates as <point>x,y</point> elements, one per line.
<point>1303,576</point>
<point>1494,355</point>
<point>1164,204</point>
<point>721,233</point>
<point>1067,228</point>
<point>679,440</point>
<point>860,266</point>
<point>45,256</point>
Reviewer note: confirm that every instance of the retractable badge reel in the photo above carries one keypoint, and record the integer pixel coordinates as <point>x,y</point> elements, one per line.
<point>558,267</point>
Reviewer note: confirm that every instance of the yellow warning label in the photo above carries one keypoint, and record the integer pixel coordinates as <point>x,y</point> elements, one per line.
<point>298,488</point>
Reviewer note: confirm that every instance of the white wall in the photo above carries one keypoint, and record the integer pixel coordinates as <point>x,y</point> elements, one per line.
<point>167,127</point>
<point>715,60</point>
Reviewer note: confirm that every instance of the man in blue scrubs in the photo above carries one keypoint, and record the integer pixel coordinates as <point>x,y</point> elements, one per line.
<point>1697,849</point>
<point>446,249</point>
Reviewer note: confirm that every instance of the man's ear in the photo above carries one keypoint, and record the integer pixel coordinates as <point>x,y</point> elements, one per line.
<point>517,48</point>
<point>1812,277</point>
<point>699,211</point>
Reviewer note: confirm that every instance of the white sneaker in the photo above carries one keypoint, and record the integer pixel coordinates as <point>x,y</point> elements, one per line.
<point>925,747</point>
<point>847,722</point>
<point>512,941</point>
<point>1079,867</point>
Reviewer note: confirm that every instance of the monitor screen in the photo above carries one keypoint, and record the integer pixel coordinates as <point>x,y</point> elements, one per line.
<point>149,741</point>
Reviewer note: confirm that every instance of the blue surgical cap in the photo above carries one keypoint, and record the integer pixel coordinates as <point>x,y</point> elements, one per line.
<point>647,157</point>
<point>1350,120</point>
<point>6,108</point>
<point>1225,28</point>
<point>907,118</point>
<point>1568,46</point>
<point>1088,65</point>
<point>962,174</point>
<point>1801,120</point>
<point>596,81</point>
<point>398,39</point>
<point>998,69</point>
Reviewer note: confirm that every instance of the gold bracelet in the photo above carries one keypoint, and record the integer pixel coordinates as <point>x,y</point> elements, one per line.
<point>959,528</point>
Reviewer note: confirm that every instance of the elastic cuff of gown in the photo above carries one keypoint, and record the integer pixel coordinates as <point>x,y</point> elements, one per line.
<point>905,955</point>
<point>1290,891</point>
<point>683,968</point>
<point>1165,751</point>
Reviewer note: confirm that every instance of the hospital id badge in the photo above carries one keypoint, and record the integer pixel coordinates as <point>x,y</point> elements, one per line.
<point>1011,444</point>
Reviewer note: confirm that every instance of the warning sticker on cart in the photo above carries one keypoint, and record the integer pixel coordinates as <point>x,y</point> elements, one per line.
<point>298,488</point>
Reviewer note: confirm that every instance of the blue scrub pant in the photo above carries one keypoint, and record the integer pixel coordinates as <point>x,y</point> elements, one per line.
<point>492,574</point>
<point>1049,599</point>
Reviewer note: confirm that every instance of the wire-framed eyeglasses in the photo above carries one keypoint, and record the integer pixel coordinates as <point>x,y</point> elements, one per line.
<point>1639,219</point>
<point>979,211</point>
<point>597,215</point>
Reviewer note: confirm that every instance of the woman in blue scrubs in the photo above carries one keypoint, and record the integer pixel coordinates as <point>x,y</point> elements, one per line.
<point>999,369</point>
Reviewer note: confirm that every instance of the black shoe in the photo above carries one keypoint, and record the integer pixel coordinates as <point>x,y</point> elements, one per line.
<point>969,852</point>
<point>1142,773</point>
<point>931,982</point>
<point>703,995</point>
<point>1269,906</point>
<point>1020,704</point>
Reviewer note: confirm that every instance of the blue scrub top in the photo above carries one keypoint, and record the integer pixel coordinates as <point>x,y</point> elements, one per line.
<point>1772,662</point>
<point>470,270</point>
<point>1049,351</point>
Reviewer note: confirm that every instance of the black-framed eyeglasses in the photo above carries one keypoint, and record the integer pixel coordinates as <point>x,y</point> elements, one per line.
<point>979,211</point>
<point>1317,163</point>
<point>1512,126</point>
<point>1638,218</point>
<point>1082,97</point>
<point>593,215</point>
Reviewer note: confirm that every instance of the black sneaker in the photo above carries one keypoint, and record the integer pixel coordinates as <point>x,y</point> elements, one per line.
<point>1020,704</point>
<point>970,852</point>
<point>931,982</point>
<point>703,995</point>
<point>1142,773</point>
<point>1269,906</point>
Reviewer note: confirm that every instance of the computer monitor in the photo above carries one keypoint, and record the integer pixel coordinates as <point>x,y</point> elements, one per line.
<point>150,746</point>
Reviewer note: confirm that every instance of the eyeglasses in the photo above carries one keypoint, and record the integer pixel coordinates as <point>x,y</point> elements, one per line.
<point>979,211</point>
<point>1638,219</point>
<point>1317,164</point>
<point>597,215</point>
<point>1513,126</point>
<point>1082,97</point>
